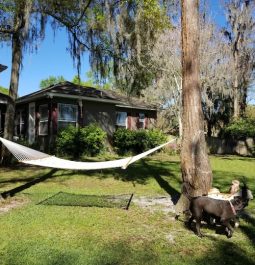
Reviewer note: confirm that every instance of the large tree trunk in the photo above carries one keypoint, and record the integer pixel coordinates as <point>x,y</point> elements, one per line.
<point>13,91</point>
<point>10,112</point>
<point>195,165</point>
<point>236,92</point>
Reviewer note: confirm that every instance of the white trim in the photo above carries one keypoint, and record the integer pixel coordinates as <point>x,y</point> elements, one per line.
<point>3,101</point>
<point>140,120</point>
<point>69,121</point>
<point>134,107</point>
<point>126,119</point>
<point>43,121</point>
<point>31,122</point>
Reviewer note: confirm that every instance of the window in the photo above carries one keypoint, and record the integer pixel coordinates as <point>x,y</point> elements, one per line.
<point>121,119</point>
<point>44,116</point>
<point>20,123</point>
<point>141,121</point>
<point>67,115</point>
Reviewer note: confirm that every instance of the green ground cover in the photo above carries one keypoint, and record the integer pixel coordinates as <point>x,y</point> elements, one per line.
<point>34,233</point>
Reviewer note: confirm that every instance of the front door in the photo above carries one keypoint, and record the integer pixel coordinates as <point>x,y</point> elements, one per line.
<point>31,123</point>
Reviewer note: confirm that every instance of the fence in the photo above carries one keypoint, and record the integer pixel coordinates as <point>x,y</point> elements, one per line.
<point>245,147</point>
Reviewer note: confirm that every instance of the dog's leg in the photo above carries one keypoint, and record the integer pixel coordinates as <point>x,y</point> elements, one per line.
<point>229,228</point>
<point>190,221</point>
<point>198,224</point>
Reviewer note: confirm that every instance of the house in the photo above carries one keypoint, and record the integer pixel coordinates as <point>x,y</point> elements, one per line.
<point>2,68</point>
<point>42,114</point>
<point>3,103</point>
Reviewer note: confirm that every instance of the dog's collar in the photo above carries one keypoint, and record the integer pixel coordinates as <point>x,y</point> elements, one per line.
<point>232,207</point>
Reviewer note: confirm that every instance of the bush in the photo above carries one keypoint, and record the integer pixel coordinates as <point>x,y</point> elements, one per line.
<point>239,129</point>
<point>94,138</point>
<point>125,140</point>
<point>76,142</point>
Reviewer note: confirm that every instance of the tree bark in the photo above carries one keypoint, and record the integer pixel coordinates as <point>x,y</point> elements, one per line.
<point>10,111</point>
<point>195,164</point>
<point>236,92</point>
<point>14,82</point>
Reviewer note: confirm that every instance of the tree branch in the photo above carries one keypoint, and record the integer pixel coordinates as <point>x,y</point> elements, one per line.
<point>6,31</point>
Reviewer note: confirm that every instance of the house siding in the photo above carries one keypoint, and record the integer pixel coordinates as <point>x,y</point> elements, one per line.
<point>101,113</point>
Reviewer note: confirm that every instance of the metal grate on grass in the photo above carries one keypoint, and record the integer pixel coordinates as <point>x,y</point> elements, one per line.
<point>107,201</point>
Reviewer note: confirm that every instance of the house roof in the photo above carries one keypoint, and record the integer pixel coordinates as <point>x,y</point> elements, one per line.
<point>3,98</point>
<point>2,67</point>
<point>70,90</point>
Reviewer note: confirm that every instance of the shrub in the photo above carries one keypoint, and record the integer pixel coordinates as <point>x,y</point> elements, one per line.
<point>94,138</point>
<point>240,129</point>
<point>155,137</point>
<point>75,142</point>
<point>125,140</point>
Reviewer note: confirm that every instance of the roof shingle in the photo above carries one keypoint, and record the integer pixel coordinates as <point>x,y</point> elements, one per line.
<point>74,90</point>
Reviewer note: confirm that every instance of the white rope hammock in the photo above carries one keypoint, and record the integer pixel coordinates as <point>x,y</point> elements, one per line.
<point>32,157</point>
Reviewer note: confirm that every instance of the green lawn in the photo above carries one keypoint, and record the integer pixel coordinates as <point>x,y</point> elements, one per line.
<point>35,233</point>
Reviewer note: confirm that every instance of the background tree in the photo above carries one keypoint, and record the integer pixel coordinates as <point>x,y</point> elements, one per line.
<point>166,89</point>
<point>51,80</point>
<point>91,81</point>
<point>121,34</point>
<point>195,165</point>
<point>215,74</point>
<point>4,90</point>
<point>241,37</point>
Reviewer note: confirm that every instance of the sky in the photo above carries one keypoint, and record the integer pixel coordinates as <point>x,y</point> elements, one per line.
<point>52,58</point>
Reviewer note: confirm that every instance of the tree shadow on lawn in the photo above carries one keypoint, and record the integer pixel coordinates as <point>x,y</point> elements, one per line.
<point>249,229</point>
<point>225,252</point>
<point>222,180</point>
<point>110,253</point>
<point>235,157</point>
<point>139,173</point>
<point>14,191</point>
<point>19,173</point>
<point>164,184</point>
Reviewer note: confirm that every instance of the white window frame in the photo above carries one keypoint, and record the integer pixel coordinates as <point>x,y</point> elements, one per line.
<point>19,123</point>
<point>141,119</point>
<point>126,118</point>
<point>44,119</point>
<point>74,121</point>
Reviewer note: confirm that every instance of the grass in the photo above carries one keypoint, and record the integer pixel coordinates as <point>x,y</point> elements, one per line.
<point>33,233</point>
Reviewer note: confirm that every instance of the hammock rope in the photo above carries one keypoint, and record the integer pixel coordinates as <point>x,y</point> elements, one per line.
<point>32,157</point>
